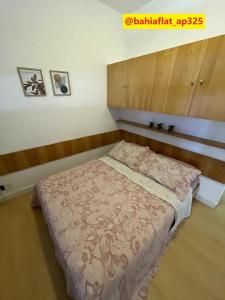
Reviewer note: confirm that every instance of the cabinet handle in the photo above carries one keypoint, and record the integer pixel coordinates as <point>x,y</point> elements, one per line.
<point>126,86</point>
<point>201,82</point>
<point>192,82</point>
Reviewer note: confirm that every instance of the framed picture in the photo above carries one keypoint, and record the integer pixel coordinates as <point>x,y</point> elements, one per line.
<point>32,82</point>
<point>60,83</point>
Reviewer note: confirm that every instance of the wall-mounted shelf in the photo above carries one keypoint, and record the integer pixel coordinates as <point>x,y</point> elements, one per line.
<point>176,134</point>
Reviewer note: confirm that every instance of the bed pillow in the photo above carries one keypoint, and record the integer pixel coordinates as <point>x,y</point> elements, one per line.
<point>129,154</point>
<point>175,175</point>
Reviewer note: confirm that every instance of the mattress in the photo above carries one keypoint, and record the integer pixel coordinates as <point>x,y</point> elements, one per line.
<point>109,225</point>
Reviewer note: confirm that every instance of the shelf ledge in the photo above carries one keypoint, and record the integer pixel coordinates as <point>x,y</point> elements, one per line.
<point>176,134</point>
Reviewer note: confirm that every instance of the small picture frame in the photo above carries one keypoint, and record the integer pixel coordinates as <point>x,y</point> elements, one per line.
<point>32,82</point>
<point>60,83</point>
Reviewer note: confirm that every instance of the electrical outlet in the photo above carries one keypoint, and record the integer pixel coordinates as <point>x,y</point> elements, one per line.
<point>5,187</point>
<point>2,188</point>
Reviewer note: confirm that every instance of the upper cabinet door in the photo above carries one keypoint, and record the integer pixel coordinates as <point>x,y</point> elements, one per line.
<point>176,75</point>
<point>164,68</point>
<point>140,81</point>
<point>209,98</point>
<point>116,84</point>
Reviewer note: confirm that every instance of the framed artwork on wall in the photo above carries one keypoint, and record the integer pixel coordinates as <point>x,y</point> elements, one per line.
<point>32,82</point>
<point>60,83</point>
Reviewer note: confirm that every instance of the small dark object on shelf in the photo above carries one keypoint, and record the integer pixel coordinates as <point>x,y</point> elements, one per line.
<point>171,128</point>
<point>159,126</point>
<point>151,125</point>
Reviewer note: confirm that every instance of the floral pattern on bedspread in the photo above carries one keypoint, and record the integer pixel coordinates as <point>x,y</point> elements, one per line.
<point>107,229</point>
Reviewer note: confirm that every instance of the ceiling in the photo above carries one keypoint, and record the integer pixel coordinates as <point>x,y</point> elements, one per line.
<point>125,6</point>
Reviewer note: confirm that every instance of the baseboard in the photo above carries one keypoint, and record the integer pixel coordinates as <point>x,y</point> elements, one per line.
<point>15,193</point>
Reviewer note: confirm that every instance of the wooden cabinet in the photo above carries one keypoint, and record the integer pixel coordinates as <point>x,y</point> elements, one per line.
<point>176,75</point>
<point>188,80</point>
<point>116,84</point>
<point>164,66</point>
<point>130,83</point>
<point>209,97</point>
<point>140,81</point>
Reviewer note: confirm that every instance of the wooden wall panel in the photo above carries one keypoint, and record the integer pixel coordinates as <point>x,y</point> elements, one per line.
<point>210,167</point>
<point>24,159</point>
<point>21,160</point>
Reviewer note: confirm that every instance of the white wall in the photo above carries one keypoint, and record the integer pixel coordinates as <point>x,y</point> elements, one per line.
<point>141,42</point>
<point>78,36</point>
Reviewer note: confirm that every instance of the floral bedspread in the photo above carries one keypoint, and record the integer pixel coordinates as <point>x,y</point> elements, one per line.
<point>108,231</point>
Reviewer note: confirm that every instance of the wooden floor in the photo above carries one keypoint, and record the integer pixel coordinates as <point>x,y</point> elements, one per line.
<point>193,267</point>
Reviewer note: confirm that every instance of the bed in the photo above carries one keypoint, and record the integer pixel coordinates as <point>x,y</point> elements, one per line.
<point>111,218</point>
